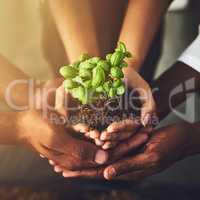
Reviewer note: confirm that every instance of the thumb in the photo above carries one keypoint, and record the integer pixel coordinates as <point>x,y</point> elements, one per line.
<point>91,154</point>
<point>148,109</point>
<point>86,152</point>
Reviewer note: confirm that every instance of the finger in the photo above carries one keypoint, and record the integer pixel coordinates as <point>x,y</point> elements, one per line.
<point>94,134</point>
<point>109,145</point>
<point>99,142</point>
<point>91,155</point>
<point>42,156</point>
<point>138,162</point>
<point>81,128</point>
<point>51,162</point>
<point>127,146</point>
<point>75,153</point>
<point>123,135</point>
<point>58,169</point>
<point>86,153</point>
<point>87,135</point>
<point>124,125</point>
<point>93,173</point>
<point>148,110</point>
<point>145,96</point>
<point>138,175</point>
<point>60,101</point>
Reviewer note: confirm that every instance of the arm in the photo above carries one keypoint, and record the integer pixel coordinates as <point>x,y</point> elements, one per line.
<point>8,128</point>
<point>77,31</point>
<point>188,68</point>
<point>140,26</point>
<point>10,73</point>
<point>164,85</point>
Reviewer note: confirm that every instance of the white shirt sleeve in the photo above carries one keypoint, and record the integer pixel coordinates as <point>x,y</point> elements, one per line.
<point>191,56</point>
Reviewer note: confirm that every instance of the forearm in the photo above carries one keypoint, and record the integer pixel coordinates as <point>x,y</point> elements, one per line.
<point>140,26</point>
<point>166,83</point>
<point>8,128</point>
<point>76,27</point>
<point>10,83</point>
<point>195,139</point>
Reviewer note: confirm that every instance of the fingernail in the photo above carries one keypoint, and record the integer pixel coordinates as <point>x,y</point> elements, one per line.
<point>94,134</point>
<point>110,129</point>
<point>42,156</point>
<point>107,145</point>
<point>110,173</point>
<point>99,142</point>
<point>101,157</point>
<point>83,130</point>
<point>146,119</point>
<point>51,162</point>
<point>103,135</point>
<point>57,169</point>
<point>87,135</point>
<point>64,175</point>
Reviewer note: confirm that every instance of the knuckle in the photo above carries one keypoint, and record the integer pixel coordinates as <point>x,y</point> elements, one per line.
<point>155,158</point>
<point>83,154</point>
<point>70,165</point>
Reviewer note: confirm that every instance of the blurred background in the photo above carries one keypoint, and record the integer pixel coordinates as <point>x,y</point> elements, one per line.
<point>29,39</point>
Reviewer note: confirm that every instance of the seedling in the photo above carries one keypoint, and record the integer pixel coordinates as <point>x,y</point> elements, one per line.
<point>92,78</point>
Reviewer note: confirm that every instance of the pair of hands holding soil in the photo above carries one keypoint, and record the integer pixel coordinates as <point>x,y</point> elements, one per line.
<point>80,158</point>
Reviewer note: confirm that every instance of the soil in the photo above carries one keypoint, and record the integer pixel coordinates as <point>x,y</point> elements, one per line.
<point>105,111</point>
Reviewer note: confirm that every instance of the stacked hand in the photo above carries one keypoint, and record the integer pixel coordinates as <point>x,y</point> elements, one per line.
<point>119,138</point>
<point>117,151</point>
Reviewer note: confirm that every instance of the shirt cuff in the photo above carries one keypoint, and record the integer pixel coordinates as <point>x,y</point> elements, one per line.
<point>191,61</point>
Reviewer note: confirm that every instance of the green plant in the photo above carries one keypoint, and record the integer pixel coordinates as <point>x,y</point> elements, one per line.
<point>92,78</point>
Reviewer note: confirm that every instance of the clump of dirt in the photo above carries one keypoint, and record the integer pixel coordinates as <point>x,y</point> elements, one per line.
<point>105,111</point>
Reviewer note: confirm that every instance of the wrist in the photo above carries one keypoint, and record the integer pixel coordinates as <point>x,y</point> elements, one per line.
<point>135,62</point>
<point>9,132</point>
<point>20,125</point>
<point>194,129</point>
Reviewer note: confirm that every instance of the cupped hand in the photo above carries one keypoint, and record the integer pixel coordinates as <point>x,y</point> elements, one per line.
<point>137,84</point>
<point>166,146</point>
<point>42,128</point>
<point>122,130</point>
<point>56,143</point>
<point>113,155</point>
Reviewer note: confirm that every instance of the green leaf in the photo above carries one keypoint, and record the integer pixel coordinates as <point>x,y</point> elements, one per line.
<point>121,90</point>
<point>68,71</point>
<point>117,58</point>
<point>86,65</point>
<point>124,64</point>
<point>85,73</point>
<point>128,54</point>
<point>75,64</point>
<point>86,97</point>
<point>80,93</point>
<point>108,57</point>
<point>78,79</point>
<point>98,77</point>
<point>122,47</point>
<point>87,84</point>
<point>116,72</point>
<point>104,65</point>
<point>117,83</point>
<point>100,89</point>
<point>107,85</point>
<point>94,60</point>
<point>84,57</point>
<point>112,92</point>
<point>69,84</point>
